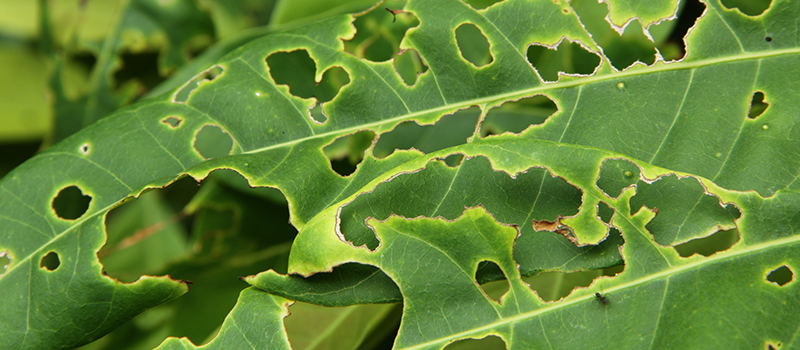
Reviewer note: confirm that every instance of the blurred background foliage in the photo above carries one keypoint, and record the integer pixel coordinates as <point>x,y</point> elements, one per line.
<point>68,63</point>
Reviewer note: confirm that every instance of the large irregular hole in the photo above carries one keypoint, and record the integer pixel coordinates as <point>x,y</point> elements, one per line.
<point>533,195</point>
<point>498,287</point>
<point>212,142</point>
<point>669,36</point>
<point>516,116</point>
<point>481,4</point>
<point>683,209</point>
<point>708,246</point>
<point>50,261</point>
<point>379,32</point>
<point>346,152</point>
<point>448,131</point>
<point>553,286</point>
<point>757,105</point>
<point>409,66</point>
<point>311,326</point>
<point>185,91</point>
<point>568,57</point>
<point>70,203</point>
<point>622,50</point>
<point>473,45</point>
<point>615,175</point>
<point>297,70</point>
<point>491,342</point>
<point>748,7</point>
<point>604,212</point>
<point>781,276</point>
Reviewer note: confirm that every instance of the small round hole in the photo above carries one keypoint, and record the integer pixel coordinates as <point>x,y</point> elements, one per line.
<point>50,261</point>
<point>768,39</point>
<point>173,122</point>
<point>85,149</point>
<point>70,203</point>
<point>781,276</point>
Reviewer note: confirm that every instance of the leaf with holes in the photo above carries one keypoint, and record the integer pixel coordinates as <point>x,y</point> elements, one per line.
<point>609,167</point>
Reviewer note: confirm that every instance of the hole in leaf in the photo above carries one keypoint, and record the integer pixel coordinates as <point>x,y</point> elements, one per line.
<point>450,130</point>
<point>604,212</point>
<point>183,94</point>
<point>768,39</point>
<point>70,203</point>
<point>757,105</point>
<point>379,33</point>
<point>473,45</point>
<point>212,142</point>
<point>492,280</point>
<point>615,175</point>
<point>5,260</point>
<point>355,326</point>
<point>718,242</point>
<point>50,261</point>
<point>516,116</point>
<point>141,68</point>
<point>568,57</point>
<point>172,121</point>
<point>297,70</point>
<point>622,50</point>
<point>748,7</point>
<point>781,276</point>
<point>669,36</point>
<point>346,152</point>
<point>454,160</point>
<point>491,342</point>
<point>481,4</point>
<point>409,66</point>
<point>84,149</point>
<point>552,286</point>
<point>771,346</point>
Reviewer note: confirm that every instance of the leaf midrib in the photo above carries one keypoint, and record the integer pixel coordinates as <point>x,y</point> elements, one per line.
<point>663,67</point>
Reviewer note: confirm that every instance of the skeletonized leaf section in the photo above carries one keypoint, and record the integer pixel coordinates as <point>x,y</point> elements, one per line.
<point>443,191</point>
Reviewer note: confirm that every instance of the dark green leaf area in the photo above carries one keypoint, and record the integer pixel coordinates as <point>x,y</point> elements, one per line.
<point>256,320</point>
<point>347,284</point>
<point>683,210</point>
<point>540,251</point>
<point>439,190</point>
<point>617,174</point>
<point>78,322</point>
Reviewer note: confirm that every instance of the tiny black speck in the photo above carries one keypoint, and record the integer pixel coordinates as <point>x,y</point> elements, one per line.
<point>768,39</point>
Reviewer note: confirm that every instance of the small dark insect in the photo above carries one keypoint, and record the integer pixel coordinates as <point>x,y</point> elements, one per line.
<point>601,298</point>
<point>768,39</point>
<point>394,13</point>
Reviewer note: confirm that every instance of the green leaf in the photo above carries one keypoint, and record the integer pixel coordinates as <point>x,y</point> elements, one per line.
<point>684,125</point>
